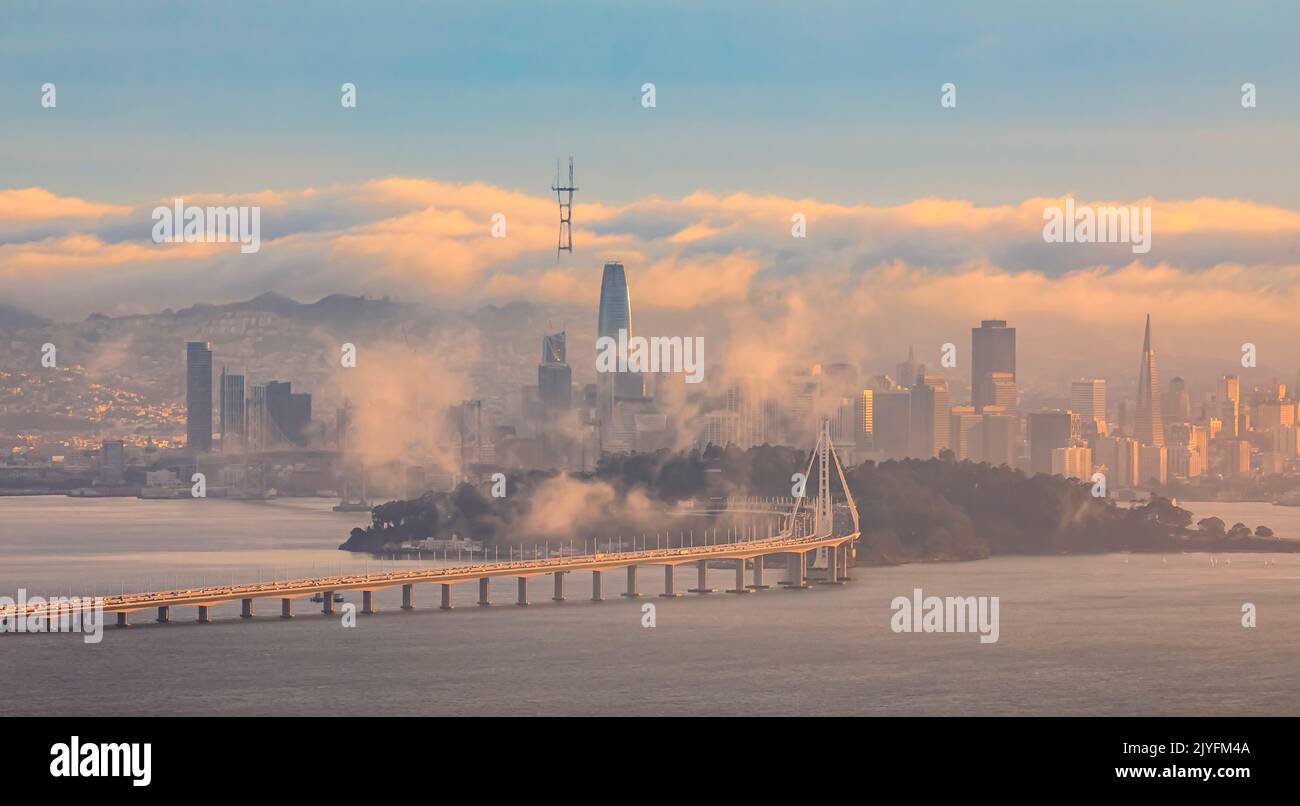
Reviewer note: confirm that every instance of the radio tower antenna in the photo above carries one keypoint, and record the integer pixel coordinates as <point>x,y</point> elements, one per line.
<point>564,196</point>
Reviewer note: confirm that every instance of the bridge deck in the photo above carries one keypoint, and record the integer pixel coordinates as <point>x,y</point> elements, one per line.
<point>295,588</point>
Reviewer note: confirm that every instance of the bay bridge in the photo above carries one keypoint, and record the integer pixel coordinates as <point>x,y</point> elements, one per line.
<point>826,535</point>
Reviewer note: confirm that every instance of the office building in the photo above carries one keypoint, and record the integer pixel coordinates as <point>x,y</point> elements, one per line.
<point>993,349</point>
<point>892,423</point>
<point>1153,465</point>
<point>231,410</point>
<point>554,377</point>
<point>198,396</point>
<point>1072,462</point>
<point>931,424</point>
<point>289,412</point>
<point>1048,430</point>
<point>1088,400</point>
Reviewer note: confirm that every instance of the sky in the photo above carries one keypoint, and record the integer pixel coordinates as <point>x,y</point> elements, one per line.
<point>925,217</point>
<point>837,101</point>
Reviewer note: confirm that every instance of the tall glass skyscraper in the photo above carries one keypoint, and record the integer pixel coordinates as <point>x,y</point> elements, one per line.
<point>231,390</point>
<point>198,395</point>
<point>616,315</point>
<point>993,349</point>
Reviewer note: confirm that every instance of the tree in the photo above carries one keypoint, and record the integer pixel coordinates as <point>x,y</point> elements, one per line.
<point>1164,511</point>
<point>1212,526</point>
<point>1263,531</point>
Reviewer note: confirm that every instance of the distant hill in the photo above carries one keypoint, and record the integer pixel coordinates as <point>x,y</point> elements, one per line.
<point>14,318</point>
<point>333,308</point>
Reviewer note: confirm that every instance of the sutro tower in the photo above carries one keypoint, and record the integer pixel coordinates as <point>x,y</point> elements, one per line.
<point>566,209</point>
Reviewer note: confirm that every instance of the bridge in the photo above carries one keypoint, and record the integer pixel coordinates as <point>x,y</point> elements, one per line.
<point>833,528</point>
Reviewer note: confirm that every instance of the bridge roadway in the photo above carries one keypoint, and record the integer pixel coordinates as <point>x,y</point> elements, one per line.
<point>597,563</point>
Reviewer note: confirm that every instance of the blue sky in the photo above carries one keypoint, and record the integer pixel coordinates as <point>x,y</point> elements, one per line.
<point>836,101</point>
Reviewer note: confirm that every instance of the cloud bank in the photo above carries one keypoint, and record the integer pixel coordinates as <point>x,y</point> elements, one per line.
<point>863,284</point>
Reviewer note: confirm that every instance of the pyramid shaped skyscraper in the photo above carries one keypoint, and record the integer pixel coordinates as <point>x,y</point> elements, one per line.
<point>1149,428</point>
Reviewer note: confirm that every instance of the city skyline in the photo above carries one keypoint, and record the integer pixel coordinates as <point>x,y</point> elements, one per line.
<point>1073,441</point>
<point>648,358</point>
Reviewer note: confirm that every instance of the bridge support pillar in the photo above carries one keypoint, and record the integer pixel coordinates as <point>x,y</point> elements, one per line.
<point>245,608</point>
<point>203,615</point>
<point>796,571</point>
<point>408,596</point>
<point>559,587</point>
<point>832,567</point>
<point>446,597</point>
<point>164,614</point>
<point>327,606</point>
<point>845,551</point>
<point>631,583</point>
<point>522,599</point>
<point>286,608</point>
<point>702,572</point>
<point>758,575</point>
<point>596,592</point>
<point>670,583</point>
<point>483,600</point>
<point>367,602</point>
<point>123,620</point>
<point>740,577</point>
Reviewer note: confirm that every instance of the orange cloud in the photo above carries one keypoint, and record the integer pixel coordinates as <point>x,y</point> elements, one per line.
<point>39,204</point>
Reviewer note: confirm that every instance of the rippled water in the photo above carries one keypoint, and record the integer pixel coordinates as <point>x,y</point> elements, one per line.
<point>1110,634</point>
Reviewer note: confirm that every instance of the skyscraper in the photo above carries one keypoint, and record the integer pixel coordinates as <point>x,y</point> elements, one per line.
<point>864,419</point>
<point>891,422</point>
<point>616,314</point>
<point>1149,429</point>
<point>1048,430</point>
<point>1177,405</point>
<point>999,390</point>
<point>1230,405</point>
<point>1072,462</point>
<point>289,412</point>
<point>1088,400</point>
<point>231,410</point>
<point>554,377</point>
<point>931,416</point>
<point>198,395</point>
<point>999,436</point>
<point>257,420</point>
<point>993,349</point>
<point>965,434</point>
<point>908,371</point>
